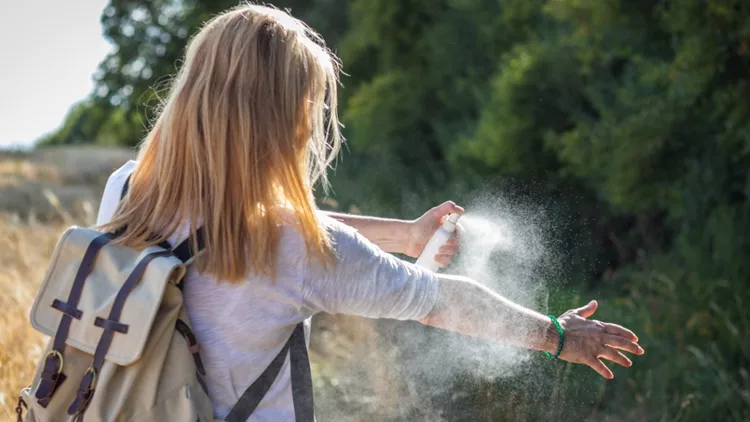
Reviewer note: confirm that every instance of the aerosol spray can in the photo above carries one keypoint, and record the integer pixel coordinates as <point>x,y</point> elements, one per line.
<point>441,236</point>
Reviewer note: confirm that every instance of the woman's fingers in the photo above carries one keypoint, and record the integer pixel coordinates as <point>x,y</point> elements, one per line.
<point>447,207</point>
<point>601,368</point>
<point>623,344</point>
<point>448,249</point>
<point>587,310</point>
<point>453,241</point>
<point>617,330</point>
<point>443,260</point>
<point>615,356</point>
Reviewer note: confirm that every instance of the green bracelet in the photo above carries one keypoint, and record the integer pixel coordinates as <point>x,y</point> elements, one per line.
<point>562,339</point>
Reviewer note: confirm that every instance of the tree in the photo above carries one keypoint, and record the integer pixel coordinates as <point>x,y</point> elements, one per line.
<point>149,39</point>
<point>630,118</point>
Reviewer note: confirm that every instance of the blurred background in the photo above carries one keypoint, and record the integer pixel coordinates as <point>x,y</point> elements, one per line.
<point>624,124</point>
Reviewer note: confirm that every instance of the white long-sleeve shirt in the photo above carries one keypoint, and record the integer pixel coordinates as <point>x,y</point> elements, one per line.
<point>242,327</point>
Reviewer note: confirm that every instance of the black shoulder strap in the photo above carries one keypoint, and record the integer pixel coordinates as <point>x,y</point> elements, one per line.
<point>184,250</point>
<point>302,390</point>
<point>125,187</point>
<point>302,393</point>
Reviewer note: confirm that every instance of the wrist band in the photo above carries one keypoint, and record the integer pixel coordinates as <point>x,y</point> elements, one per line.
<point>562,339</point>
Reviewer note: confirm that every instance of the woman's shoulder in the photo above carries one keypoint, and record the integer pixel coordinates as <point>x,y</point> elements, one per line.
<point>125,169</point>
<point>116,179</point>
<point>347,242</point>
<point>344,239</point>
<point>339,232</point>
<point>330,224</point>
<point>112,191</point>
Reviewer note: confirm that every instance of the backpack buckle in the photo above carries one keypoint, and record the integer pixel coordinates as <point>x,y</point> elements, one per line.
<point>85,392</point>
<point>51,377</point>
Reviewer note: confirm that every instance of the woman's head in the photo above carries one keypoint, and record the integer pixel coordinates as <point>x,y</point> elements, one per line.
<point>249,126</point>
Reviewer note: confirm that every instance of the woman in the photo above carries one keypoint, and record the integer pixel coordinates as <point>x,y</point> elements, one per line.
<point>248,129</point>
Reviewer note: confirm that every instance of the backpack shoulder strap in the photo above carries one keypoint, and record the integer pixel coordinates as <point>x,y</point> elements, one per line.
<point>125,187</point>
<point>184,251</point>
<point>302,389</point>
<point>302,393</point>
<point>296,347</point>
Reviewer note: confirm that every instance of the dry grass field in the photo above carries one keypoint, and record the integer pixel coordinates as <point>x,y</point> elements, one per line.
<point>43,192</point>
<point>23,250</point>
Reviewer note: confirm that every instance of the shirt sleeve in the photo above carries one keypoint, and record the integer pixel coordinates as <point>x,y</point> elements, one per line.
<point>366,281</point>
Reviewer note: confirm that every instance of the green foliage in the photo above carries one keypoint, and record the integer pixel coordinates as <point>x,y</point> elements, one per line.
<point>631,118</point>
<point>150,39</point>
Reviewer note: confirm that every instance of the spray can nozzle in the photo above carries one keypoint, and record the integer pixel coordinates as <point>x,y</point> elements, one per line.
<point>450,222</point>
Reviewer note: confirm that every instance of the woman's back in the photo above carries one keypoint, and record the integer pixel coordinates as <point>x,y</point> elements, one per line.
<point>241,327</point>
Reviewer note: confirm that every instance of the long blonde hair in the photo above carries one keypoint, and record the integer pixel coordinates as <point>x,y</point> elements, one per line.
<point>249,126</point>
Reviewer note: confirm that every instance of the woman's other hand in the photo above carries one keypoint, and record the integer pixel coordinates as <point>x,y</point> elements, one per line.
<point>588,340</point>
<point>421,230</point>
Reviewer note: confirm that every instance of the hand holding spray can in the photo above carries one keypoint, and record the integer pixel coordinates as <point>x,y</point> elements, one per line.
<point>441,236</point>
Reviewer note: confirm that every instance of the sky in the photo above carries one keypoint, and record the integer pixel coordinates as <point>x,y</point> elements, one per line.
<point>49,50</point>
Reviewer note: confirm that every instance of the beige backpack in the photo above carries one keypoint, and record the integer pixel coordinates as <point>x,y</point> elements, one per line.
<point>122,347</point>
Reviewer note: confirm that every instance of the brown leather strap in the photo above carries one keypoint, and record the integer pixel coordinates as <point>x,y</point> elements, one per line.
<point>192,343</point>
<point>67,309</point>
<point>88,383</point>
<point>51,374</point>
<point>44,402</point>
<point>108,324</point>
<point>19,409</point>
<point>87,264</point>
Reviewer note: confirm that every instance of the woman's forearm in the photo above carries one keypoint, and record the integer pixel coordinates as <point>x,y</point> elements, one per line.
<point>391,235</point>
<point>467,307</point>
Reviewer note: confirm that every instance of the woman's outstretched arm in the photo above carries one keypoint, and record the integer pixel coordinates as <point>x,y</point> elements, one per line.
<point>407,237</point>
<point>467,307</point>
<point>390,234</point>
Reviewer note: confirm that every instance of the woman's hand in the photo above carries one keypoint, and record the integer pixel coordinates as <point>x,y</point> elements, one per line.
<point>588,340</point>
<point>421,230</point>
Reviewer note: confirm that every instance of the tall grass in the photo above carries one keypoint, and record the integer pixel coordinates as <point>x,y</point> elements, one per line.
<point>697,361</point>
<point>690,308</point>
<point>24,252</point>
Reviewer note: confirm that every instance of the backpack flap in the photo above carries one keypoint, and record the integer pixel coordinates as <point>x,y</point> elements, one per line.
<point>109,270</point>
